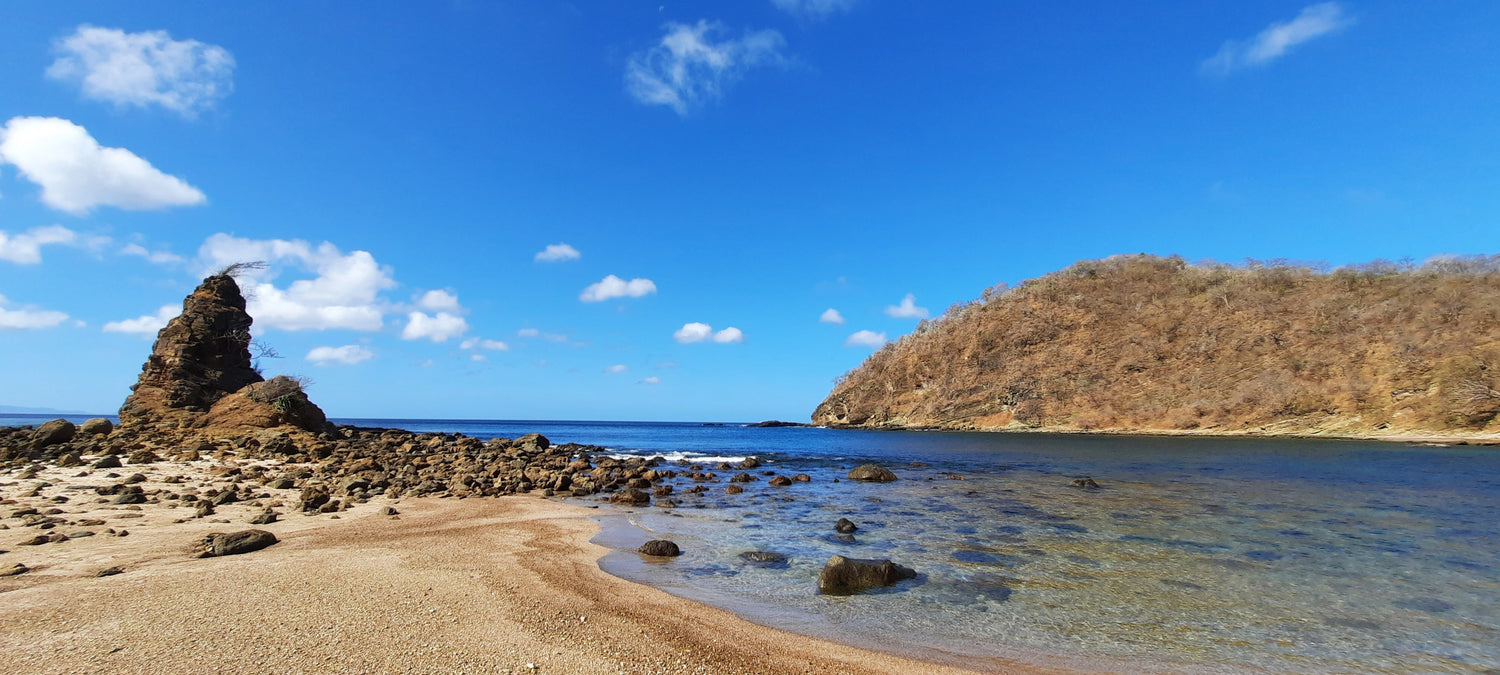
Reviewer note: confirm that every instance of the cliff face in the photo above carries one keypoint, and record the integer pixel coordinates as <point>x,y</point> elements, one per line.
<point>200,374</point>
<point>1142,343</point>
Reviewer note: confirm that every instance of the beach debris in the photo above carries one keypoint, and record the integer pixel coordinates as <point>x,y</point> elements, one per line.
<point>872,473</point>
<point>845,526</point>
<point>844,576</point>
<point>233,543</point>
<point>1085,482</point>
<point>661,548</point>
<point>110,571</point>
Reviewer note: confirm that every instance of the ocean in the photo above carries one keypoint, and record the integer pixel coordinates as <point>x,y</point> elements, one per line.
<point>1195,555</point>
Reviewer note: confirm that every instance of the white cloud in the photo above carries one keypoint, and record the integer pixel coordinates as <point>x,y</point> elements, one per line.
<point>813,9</point>
<point>438,327</point>
<point>528,332</point>
<point>28,319</point>
<point>693,332</point>
<point>698,332</point>
<point>76,173</point>
<point>26,248</point>
<point>557,253</point>
<point>346,355</point>
<point>480,343</point>
<point>162,257</point>
<point>1278,39</point>
<point>615,287</point>
<point>148,324</point>
<point>439,301</point>
<point>865,338</point>
<point>832,316</point>
<point>144,69</point>
<point>344,294</point>
<point>908,309</point>
<point>691,65</point>
<point>729,335</point>
<point>617,368</point>
<point>478,358</point>
<point>651,380</point>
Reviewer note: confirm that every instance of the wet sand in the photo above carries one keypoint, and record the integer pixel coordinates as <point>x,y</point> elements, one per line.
<point>492,585</point>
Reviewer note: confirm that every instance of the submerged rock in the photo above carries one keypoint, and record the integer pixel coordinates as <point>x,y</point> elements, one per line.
<point>843,576</point>
<point>845,526</point>
<point>233,543</point>
<point>764,558</point>
<point>873,473</point>
<point>1085,482</point>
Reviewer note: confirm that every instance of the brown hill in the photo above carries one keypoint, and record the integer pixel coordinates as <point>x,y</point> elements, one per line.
<point>1149,344</point>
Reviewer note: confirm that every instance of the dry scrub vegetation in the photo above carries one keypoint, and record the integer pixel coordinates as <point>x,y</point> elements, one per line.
<point>1148,343</point>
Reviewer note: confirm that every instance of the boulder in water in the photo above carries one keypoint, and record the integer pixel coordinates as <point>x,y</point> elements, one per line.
<point>844,576</point>
<point>873,473</point>
<point>660,548</point>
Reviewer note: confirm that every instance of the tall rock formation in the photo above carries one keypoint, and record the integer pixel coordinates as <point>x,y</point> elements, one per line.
<point>199,373</point>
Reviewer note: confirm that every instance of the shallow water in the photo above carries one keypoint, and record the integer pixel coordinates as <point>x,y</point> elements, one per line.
<point>1197,555</point>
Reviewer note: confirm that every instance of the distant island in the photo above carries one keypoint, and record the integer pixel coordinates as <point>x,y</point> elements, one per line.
<point>1148,344</point>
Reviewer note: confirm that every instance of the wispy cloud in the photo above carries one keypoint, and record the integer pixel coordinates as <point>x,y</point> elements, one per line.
<point>865,338</point>
<point>692,64</point>
<point>481,343</point>
<point>908,309</point>
<point>617,368</point>
<point>814,9</point>
<point>158,257</point>
<point>557,253</point>
<point>614,287</point>
<point>28,318</point>
<point>1277,39</point>
<point>346,355</point>
<point>77,174</point>
<point>650,380</point>
<point>144,69</point>
<point>26,248</point>
<point>147,324</point>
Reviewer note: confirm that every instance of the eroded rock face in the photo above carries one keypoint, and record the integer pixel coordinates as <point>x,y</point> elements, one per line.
<point>200,373</point>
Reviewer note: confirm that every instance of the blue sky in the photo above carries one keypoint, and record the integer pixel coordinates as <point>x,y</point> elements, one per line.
<point>722,175</point>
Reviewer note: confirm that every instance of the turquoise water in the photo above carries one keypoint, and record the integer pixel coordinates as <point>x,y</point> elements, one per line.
<point>1197,555</point>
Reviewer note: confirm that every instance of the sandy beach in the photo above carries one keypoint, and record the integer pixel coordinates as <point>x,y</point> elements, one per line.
<point>495,585</point>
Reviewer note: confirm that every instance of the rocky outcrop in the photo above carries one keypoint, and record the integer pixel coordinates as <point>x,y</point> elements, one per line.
<point>200,374</point>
